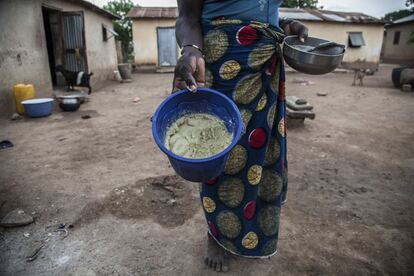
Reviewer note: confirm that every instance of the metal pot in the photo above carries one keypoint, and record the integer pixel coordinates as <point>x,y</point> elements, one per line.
<point>69,95</point>
<point>318,62</point>
<point>69,103</point>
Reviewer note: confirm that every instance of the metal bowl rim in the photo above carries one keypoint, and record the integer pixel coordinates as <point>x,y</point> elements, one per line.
<point>307,59</point>
<point>309,69</point>
<point>309,53</point>
<point>70,96</point>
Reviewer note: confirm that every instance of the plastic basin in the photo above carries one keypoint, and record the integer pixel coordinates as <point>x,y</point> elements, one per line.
<point>38,107</point>
<point>203,101</point>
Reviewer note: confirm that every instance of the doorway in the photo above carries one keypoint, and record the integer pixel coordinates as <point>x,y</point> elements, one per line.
<point>167,47</point>
<point>50,17</point>
<point>74,47</point>
<point>65,42</point>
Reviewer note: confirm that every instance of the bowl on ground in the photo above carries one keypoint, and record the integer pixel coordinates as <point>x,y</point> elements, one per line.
<point>75,94</point>
<point>321,61</point>
<point>203,101</point>
<point>41,107</point>
<point>69,103</point>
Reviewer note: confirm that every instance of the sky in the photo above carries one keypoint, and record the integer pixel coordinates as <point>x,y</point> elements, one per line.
<point>377,8</point>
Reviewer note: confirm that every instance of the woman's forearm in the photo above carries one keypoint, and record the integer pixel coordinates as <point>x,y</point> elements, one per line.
<point>188,26</point>
<point>189,72</point>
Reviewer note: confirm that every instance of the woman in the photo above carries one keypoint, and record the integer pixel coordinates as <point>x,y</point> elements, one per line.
<point>233,46</point>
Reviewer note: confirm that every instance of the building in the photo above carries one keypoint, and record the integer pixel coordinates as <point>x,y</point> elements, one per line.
<point>153,34</point>
<point>37,35</point>
<point>154,38</point>
<point>399,41</point>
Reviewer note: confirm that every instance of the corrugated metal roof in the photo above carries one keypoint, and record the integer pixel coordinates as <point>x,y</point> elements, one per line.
<point>153,12</point>
<point>404,19</point>
<point>330,16</point>
<point>298,14</point>
<point>335,17</point>
<point>95,8</point>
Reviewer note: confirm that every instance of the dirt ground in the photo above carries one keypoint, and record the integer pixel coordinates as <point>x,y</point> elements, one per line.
<point>350,208</point>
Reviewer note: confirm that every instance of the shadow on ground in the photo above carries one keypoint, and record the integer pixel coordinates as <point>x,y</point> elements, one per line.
<point>167,200</point>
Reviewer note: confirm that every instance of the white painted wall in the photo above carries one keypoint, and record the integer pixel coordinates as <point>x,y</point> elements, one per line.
<point>338,32</point>
<point>144,35</point>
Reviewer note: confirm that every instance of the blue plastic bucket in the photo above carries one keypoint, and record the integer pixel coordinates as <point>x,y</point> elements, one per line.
<point>38,107</point>
<point>203,101</point>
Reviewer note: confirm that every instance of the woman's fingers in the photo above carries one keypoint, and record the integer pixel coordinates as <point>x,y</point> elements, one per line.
<point>200,73</point>
<point>179,84</point>
<point>189,80</point>
<point>299,29</point>
<point>189,73</point>
<point>303,33</point>
<point>183,75</point>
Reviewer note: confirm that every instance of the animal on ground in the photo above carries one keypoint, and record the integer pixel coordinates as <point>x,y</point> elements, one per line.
<point>81,79</point>
<point>359,74</point>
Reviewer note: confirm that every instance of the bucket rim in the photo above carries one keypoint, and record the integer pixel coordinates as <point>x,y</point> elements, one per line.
<point>197,160</point>
<point>37,101</point>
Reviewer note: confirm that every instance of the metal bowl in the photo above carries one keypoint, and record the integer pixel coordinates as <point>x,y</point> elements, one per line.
<point>69,103</point>
<point>318,62</point>
<point>69,95</point>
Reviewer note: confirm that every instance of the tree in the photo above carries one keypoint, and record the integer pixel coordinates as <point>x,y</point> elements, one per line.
<point>312,4</point>
<point>410,5</point>
<point>392,16</point>
<point>122,26</point>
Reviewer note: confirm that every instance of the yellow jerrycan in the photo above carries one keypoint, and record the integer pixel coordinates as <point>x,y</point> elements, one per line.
<point>22,92</point>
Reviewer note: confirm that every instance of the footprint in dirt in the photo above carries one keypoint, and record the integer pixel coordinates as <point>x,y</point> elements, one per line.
<point>168,200</point>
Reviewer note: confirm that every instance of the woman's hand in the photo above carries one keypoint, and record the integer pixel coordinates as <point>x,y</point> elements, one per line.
<point>293,27</point>
<point>190,70</point>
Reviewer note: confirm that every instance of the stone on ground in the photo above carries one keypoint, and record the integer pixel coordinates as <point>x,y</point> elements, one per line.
<point>15,218</point>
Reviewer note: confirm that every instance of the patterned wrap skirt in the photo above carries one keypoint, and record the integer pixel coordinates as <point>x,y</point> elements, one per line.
<point>243,205</point>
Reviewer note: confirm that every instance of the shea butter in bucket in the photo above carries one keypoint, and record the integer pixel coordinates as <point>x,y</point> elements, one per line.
<point>197,135</point>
